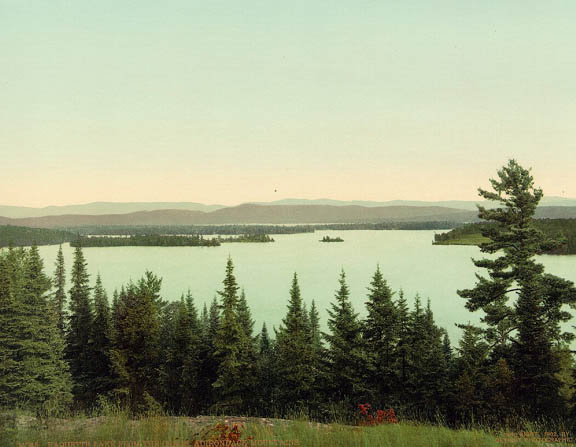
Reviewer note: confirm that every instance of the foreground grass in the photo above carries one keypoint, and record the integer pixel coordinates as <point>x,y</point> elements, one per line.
<point>97,431</point>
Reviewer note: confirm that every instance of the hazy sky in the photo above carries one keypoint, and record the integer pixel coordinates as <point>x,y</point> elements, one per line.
<point>228,101</point>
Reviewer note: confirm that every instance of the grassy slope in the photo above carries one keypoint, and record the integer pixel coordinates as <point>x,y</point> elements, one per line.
<point>121,428</point>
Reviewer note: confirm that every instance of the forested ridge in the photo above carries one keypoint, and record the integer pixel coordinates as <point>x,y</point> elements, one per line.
<point>472,234</point>
<point>238,229</point>
<point>159,240</point>
<point>66,346</point>
<point>24,236</point>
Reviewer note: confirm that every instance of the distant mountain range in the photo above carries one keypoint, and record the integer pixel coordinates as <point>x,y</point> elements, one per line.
<point>103,208</point>
<point>461,204</point>
<point>97,208</point>
<point>273,214</point>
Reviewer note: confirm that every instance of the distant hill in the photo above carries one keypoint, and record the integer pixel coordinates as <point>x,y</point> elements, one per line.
<point>274,214</point>
<point>461,204</point>
<point>103,208</point>
<point>265,214</point>
<point>97,208</point>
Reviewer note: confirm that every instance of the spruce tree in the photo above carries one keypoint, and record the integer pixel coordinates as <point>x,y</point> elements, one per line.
<point>245,316</point>
<point>404,326</point>
<point>207,354</point>
<point>33,375</point>
<point>184,365</point>
<point>427,376</point>
<point>345,352</point>
<point>470,388</point>
<point>102,336</point>
<point>314,318</point>
<point>522,306</point>
<point>267,375</point>
<point>232,382</point>
<point>79,344</point>
<point>295,354</point>
<point>381,334</point>
<point>136,355</point>
<point>59,283</point>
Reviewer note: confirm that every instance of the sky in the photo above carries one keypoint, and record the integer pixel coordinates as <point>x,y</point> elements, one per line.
<point>234,101</point>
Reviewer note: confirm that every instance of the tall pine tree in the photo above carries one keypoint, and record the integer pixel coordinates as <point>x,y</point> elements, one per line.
<point>231,341</point>
<point>79,343</point>
<point>521,303</point>
<point>381,333</point>
<point>345,352</point>
<point>59,283</point>
<point>295,354</point>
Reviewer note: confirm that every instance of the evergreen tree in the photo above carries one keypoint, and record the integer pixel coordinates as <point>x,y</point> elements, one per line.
<point>447,349</point>
<point>245,316</point>
<point>207,354</point>
<point>381,333</point>
<point>427,374</point>
<point>404,326</point>
<point>346,353</point>
<point>314,318</point>
<point>295,354</point>
<point>79,346</point>
<point>102,334</point>
<point>234,379</point>
<point>136,355</point>
<point>267,377</point>
<point>470,388</point>
<point>33,372</point>
<point>185,364</point>
<point>59,283</point>
<point>521,303</point>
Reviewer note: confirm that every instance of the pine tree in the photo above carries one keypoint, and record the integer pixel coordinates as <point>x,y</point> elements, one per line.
<point>207,354</point>
<point>79,346</point>
<point>346,352</point>
<point>381,335</point>
<point>521,303</point>
<point>33,372</point>
<point>245,316</point>
<point>136,355</point>
<point>316,334</point>
<point>404,326</point>
<point>102,336</point>
<point>295,354</point>
<point>427,377</point>
<point>59,282</point>
<point>470,389</point>
<point>232,382</point>
<point>185,360</point>
<point>267,376</point>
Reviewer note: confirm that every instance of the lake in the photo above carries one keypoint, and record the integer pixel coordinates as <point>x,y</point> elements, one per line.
<point>407,259</point>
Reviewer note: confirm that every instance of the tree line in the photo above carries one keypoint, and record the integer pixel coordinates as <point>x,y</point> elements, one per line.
<point>564,230</point>
<point>146,354</point>
<point>239,229</point>
<point>25,236</point>
<point>151,240</point>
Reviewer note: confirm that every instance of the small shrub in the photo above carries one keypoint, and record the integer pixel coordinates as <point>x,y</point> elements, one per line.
<point>378,417</point>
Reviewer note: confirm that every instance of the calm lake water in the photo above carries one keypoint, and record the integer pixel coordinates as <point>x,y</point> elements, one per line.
<point>407,259</point>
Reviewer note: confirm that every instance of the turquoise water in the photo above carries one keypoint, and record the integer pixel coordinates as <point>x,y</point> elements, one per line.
<point>408,261</point>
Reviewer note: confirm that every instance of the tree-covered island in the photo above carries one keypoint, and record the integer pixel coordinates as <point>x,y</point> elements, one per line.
<point>157,240</point>
<point>331,239</point>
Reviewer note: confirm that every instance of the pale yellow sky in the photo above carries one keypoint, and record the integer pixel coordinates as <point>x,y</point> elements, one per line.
<point>226,103</point>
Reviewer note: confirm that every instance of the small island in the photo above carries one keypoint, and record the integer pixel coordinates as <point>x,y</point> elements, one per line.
<point>331,239</point>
